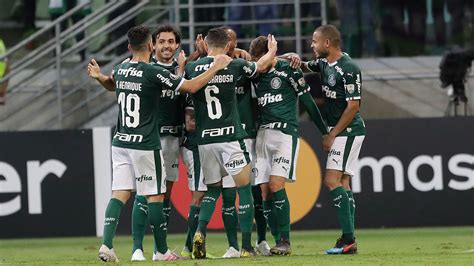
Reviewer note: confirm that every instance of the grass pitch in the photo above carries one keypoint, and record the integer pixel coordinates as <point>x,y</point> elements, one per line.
<point>420,246</point>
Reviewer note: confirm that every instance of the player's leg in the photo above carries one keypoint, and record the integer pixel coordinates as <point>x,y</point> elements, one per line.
<point>170,150</point>
<point>341,161</point>
<point>122,184</point>
<point>139,221</point>
<point>148,165</point>
<point>212,171</point>
<point>198,188</point>
<point>262,246</point>
<point>284,150</point>
<point>263,164</point>
<point>229,216</point>
<point>246,209</point>
<point>345,180</point>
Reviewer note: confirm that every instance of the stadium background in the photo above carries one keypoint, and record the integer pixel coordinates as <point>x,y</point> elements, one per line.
<point>416,165</point>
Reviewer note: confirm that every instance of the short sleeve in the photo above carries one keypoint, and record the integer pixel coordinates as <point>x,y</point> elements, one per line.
<point>298,82</point>
<point>313,65</point>
<point>352,84</point>
<point>167,79</point>
<point>248,68</point>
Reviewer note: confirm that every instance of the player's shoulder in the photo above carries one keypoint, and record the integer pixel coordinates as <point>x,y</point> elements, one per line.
<point>284,65</point>
<point>348,64</point>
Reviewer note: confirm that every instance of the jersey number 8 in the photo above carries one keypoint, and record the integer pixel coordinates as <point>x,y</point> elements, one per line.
<point>131,104</point>
<point>214,112</point>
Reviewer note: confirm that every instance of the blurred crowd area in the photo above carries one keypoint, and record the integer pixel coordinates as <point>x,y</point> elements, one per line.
<point>369,28</point>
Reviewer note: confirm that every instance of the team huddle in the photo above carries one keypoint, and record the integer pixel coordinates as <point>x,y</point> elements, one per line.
<point>201,107</point>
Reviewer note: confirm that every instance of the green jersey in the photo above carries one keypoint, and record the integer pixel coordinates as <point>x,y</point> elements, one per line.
<point>138,87</point>
<point>245,106</point>
<point>215,106</point>
<point>341,82</point>
<point>277,92</point>
<point>170,115</point>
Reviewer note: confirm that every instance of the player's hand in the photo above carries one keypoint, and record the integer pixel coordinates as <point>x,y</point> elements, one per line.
<point>295,61</point>
<point>181,59</point>
<point>272,43</point>
<point>200,45</point>
<point>93,69</point>
<point>240,53</point>
<point>221,61</point>
<point>328,140</point>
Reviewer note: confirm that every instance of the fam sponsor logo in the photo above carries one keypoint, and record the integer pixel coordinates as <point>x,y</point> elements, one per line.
<point>143,178</point>
<point>128,137</point>
<point>234,163</point>
<point>215,132</point>
<point>131,71</point>
<point>170,129</point>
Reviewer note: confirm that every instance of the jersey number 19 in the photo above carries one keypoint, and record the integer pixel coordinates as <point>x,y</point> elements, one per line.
<point>130,104</point>
<point>214,112</point>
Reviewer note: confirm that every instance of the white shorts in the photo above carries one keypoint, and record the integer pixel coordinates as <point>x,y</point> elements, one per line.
<point>193,167</point>
<point>344,153</point>
<point>139,170</point>
<point>170,150</point>
<point>277,154</point>
<point>250,145</point>
<point>221,159</point>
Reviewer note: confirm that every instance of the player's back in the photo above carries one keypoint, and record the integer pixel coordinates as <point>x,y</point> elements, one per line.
<point>215,106</point>
<point>137,97</point>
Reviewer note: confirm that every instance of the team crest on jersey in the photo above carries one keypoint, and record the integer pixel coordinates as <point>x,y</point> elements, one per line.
<point>350,88</point>
<point>302,82</point>
<point>275,83</point>
<point>332,80</point>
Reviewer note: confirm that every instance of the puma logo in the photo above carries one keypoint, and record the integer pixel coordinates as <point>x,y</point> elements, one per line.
<point>338,204</point>
<point>284,168</point>
<point>337,162</point>
<point>279,206</point>
<point>266,216</point>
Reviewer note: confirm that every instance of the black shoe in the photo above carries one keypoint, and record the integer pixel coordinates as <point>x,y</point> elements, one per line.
<point>282,248</point>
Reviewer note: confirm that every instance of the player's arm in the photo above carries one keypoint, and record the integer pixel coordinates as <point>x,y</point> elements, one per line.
<point>352,87</point>
<point>181,63</point>
<point>266,60</point>
<point>313,112</point>
<point>93,70</point>
<point>293,58</point>
<point>310,66</point>
<point>195,84</point>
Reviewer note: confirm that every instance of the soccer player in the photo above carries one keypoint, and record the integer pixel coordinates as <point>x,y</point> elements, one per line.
<point>277,144</point>
<point>247,112</point>
<point>136,155</point>
<point>341,82</point>
<point>166,40</point>
<point>220,134</point>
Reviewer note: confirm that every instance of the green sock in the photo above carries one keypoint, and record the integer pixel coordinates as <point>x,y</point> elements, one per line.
<point>259,218</point>
<point>341,202</point>
<point>269,213</point>
<point>167,209</point>
<point>246,213</point>
<point>158,225</point>
<point>282,208</point>
<point>207,207</point>
<point>112,214</point>
<point>352,206</point>
<point>139,220</point>
<point>229,216</point>
<point>193,218</point>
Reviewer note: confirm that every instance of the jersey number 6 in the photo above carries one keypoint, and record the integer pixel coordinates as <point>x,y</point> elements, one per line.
<point>214,112</point>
